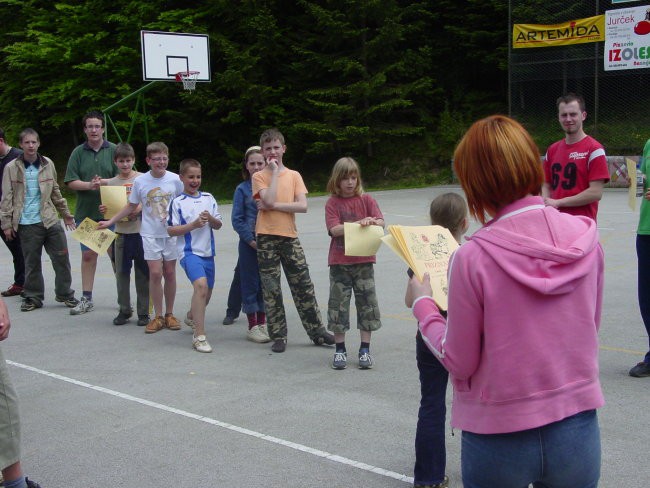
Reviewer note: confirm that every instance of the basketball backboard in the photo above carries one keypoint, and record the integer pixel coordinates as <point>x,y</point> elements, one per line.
<point>166,53</point>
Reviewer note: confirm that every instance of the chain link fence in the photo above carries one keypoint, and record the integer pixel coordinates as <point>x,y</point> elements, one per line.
<point>618,102</point>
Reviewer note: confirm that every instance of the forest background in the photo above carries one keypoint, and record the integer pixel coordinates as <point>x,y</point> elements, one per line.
<point>393,84</point>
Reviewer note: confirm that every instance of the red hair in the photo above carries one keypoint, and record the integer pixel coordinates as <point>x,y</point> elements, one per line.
<point>497,163</point>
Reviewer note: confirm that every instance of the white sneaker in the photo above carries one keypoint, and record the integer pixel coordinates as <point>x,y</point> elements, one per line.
<point>83,306</point>
<point>201,344</point>
<point>189,322</point>
<point>257,334</point>
<point>265,331</point>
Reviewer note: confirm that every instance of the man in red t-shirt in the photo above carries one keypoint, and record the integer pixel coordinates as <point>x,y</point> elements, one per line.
<point>575,168</point>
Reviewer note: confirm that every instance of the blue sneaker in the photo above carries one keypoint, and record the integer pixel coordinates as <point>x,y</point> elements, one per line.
<point>340,360</point>
<point>365,359</point>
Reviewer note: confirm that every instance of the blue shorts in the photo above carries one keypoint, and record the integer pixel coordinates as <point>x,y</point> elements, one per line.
<point>198,267</point>
<point>83,246</point>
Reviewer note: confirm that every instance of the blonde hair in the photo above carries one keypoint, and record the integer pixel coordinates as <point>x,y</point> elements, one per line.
<point>450,211</point>
<point>343,168</point>
<point>497,163</point>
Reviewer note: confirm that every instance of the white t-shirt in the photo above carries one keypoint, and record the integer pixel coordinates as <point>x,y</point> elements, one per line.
<point>155,195</point>
<point>187,208</point>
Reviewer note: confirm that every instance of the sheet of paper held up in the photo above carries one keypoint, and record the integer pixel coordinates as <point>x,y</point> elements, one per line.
<point>88,234</point>
<point>362,240</point>
<point>114,197</point>
<point>425,249</point>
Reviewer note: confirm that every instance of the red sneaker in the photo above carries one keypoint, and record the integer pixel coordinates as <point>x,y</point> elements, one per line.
<point>12,291</point>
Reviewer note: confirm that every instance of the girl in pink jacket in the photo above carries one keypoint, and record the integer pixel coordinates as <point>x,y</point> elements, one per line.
<point>521,338</point>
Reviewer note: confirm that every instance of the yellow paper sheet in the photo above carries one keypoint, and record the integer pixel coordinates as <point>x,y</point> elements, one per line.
<point>360,240</point>
<point>114,197</point>
<point>88,234</point>
<point>426,249</point>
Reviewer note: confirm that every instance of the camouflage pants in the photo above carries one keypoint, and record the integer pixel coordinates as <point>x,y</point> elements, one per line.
<point>344,279</point>
<point>276,251</point>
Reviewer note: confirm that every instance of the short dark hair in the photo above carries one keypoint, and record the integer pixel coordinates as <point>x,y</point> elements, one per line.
<point>93,114</point>
<point>124,150</point>
<point>186,164</point>
<point>28,132</point>
<point>572,97</point>
<point>2,133</point>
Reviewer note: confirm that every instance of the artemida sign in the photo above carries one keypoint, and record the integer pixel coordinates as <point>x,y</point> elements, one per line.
<point>590,29</point>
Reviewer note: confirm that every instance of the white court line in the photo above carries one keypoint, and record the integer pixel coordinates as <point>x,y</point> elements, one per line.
<point>224,425</point>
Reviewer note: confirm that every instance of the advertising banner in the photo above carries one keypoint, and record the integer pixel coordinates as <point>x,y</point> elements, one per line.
<point>627,43</point>
<point>590,29</point>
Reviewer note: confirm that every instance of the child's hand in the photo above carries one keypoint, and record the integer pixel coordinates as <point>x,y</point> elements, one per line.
<point>103,209</point>
<point>366,221</point>
<point>104,224</point>
<point>417,289</point>
<point>272,163</point>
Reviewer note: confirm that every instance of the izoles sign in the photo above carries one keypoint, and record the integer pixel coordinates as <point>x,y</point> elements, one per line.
<point>591,29</point>
<point>627,44</point>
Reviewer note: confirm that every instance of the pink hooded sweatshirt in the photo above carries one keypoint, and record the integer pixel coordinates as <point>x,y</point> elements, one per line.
<point>521,338</point>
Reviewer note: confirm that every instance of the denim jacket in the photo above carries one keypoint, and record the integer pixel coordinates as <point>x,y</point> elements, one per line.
<point>244,211</point>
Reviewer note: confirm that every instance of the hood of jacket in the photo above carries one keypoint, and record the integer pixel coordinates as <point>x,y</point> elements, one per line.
<point>538,246</point>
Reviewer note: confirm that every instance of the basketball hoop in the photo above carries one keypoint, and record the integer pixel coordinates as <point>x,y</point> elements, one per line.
<point>188,78</point>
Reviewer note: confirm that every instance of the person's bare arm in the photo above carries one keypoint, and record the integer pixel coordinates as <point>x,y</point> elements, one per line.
<point>78,185</point>
<point>126,210</point>
<point>592,194</point>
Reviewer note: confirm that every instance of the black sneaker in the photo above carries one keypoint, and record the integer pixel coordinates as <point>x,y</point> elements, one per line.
<point>365,359</point>
<point>31,484</point>
<point>143,320</point>
<point>641,370</point>
<point>279,345</point>
<point>228,320</point>
<point>122,318</point>
<point>443,484</point>
<point>324,339</point>
<point>29,304</point>
<point>69,302</point>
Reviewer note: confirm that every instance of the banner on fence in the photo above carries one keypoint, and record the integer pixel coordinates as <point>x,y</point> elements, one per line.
<point>580,31</point>
<point>627,44</point>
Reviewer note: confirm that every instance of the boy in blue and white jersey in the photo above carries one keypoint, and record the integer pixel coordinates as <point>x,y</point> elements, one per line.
<point>192,216</point>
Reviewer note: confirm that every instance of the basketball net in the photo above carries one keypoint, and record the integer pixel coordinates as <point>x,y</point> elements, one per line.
<point>188,78</point>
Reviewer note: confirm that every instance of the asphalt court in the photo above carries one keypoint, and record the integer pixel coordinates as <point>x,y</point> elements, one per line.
<point>106,406</point>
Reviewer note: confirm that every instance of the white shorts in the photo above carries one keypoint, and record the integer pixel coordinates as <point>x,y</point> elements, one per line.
<point>157,248</point>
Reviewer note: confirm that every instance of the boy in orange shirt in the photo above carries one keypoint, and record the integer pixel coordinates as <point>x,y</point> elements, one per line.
<point>281,193</point>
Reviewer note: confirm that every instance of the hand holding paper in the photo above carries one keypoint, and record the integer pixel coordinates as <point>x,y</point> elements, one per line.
<point>89,235</point>
<point>362,240</point>
<point>425,249</point>
<point>114,198</point>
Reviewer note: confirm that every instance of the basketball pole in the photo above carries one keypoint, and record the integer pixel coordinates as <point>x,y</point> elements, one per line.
<point>140,103</point>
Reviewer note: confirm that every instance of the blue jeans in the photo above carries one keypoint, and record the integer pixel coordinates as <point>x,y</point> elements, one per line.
<point>643,290</point>
<point>252,299</point>
<point>564,454</point>
<point>430,453</point>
